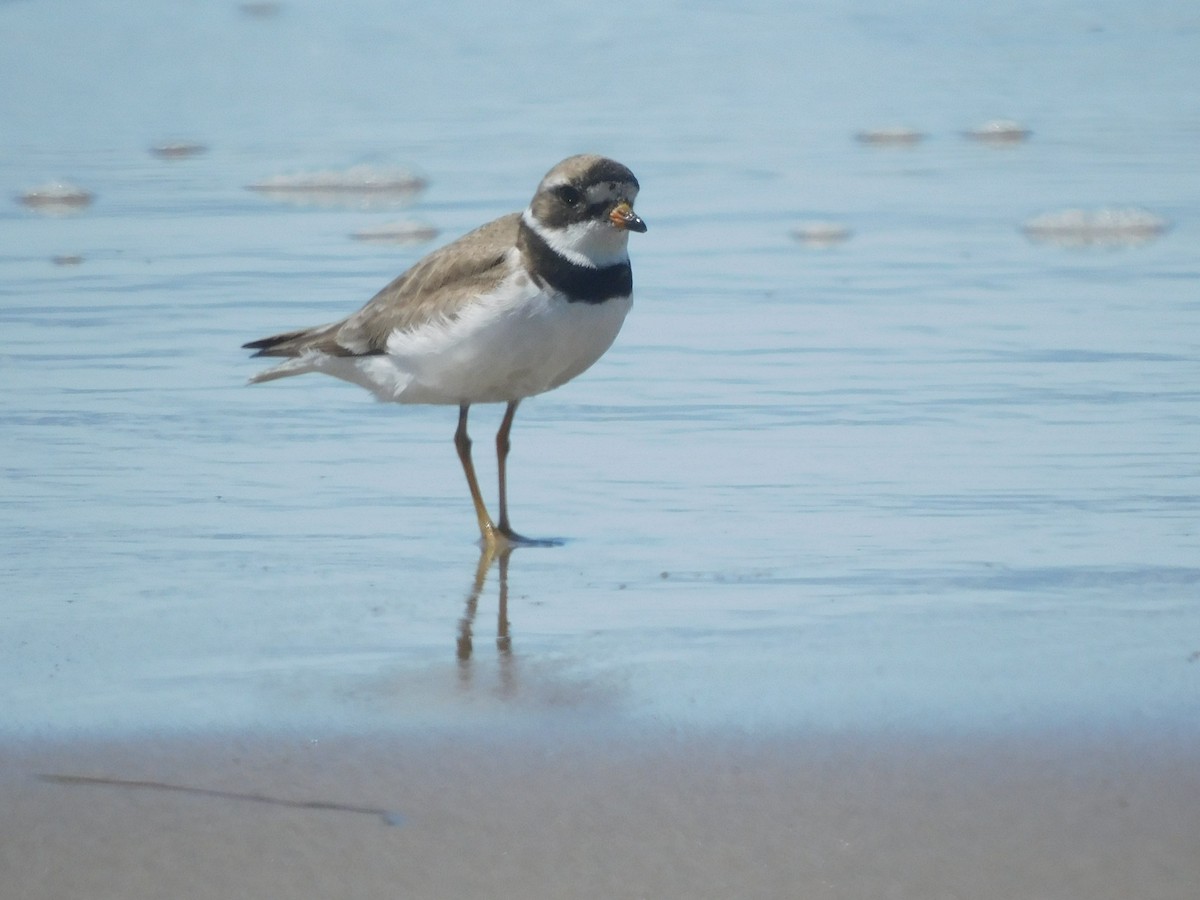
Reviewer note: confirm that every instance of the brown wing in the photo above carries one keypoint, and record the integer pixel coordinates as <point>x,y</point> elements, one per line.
<point>439,285</point>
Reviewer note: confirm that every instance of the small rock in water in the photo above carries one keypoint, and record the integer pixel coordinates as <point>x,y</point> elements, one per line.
<point>178,150</point>
<point>362,187</point>
<point>260,10</point>
<point>891,136</point>
<point>409,232</point>
<point>1106,227</point>
<point>57,198</point>
<point>821,234</point>
<point>67,259</point>
<point>999,131</point>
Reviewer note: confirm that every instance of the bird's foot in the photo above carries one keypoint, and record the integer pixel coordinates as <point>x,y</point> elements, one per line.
<point>502,538</point>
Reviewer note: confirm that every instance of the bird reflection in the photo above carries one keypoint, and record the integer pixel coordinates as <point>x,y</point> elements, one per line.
<point>489,556</point>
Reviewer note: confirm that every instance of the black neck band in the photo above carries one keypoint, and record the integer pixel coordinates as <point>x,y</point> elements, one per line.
<point>580,284</point>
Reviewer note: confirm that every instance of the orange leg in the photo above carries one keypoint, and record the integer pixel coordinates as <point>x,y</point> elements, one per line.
<point>462,443</point>
<point>502,448</point>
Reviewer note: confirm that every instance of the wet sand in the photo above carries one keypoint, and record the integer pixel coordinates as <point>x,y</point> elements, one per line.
<point>479,815</point>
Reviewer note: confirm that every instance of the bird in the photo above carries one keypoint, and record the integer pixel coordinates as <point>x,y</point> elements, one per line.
<point>517,307</point>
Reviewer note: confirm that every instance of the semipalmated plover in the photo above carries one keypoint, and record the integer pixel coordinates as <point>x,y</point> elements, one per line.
<point>516,307</point>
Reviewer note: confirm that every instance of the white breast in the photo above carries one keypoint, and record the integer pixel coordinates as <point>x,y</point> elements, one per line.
<point>513,343</point>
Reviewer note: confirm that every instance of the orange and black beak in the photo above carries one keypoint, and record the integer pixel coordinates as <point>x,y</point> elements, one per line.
<point>624,217</point>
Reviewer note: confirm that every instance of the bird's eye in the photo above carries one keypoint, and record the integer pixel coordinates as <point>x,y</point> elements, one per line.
<point>569,195</point>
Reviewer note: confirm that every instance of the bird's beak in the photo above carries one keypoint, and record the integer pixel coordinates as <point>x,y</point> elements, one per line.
<point>625,218</point>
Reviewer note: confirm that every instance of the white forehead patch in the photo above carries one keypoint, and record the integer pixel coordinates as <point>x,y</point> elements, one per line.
<point>610,190</point>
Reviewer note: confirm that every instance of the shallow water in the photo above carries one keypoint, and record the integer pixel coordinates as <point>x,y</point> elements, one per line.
<point>936,476</point>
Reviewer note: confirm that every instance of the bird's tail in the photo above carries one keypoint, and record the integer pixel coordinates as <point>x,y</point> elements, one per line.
<point>309,362</point>
<point>302,350</point>
<point>293,343</point>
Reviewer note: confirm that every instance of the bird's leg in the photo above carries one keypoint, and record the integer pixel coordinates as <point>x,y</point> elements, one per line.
<point>462,443</point>
<point>502,448</point>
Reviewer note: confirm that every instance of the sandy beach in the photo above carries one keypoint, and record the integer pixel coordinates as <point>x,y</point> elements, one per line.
<point>475,815</point>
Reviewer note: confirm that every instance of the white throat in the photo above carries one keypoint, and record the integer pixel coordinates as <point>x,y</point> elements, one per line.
<point>595,244</point>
